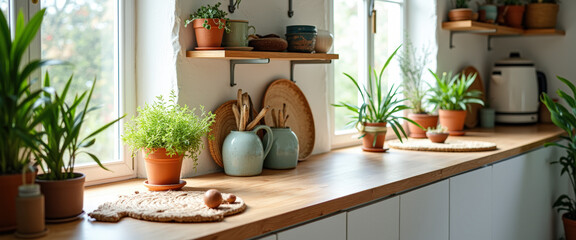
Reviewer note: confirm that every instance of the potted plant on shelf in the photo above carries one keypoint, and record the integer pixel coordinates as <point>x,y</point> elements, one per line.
<point>415,90</point>
<point>513,13</point>
<point>19,101</point>
<point>61,143</point>
<point>487,12</point>
<point>461,11</point>
<point>167,132</point>
<point>541,14</point>
<point>437,134</point>
<point>451,97</point>
<point>209,23</point>
<point>378,108</point>
<point>565,118</point>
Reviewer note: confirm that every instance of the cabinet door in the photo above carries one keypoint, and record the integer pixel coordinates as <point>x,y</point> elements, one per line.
<point>380,220</point>
<point>424,213</point>
<point>332,228</point>
<point>523,194</point>
<point>268,237</point>
<point>470,205</point>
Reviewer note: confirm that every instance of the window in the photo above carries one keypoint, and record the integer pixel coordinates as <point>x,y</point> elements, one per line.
<point>95,36</point>
<point>362,44</point>
<point>4,7</point>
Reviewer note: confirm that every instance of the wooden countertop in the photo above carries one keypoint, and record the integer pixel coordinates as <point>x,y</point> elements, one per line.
<point>324,184</point>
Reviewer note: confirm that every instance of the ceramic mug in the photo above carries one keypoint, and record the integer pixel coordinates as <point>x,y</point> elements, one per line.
<point>487,117</point>
<point>238,35</point>
<point>243,153</point>
<point>284,151</point>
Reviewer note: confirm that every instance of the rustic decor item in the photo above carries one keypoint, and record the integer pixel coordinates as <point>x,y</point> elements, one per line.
<point>224,123</point>
<point>169,206</point>
<point>450,145</point>
<point>472,115</point>
<point>541,15</point>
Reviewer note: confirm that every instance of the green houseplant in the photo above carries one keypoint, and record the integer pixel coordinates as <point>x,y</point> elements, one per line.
<point>513,13</point>
<point>565,118</point>
<point>451,97</point>
<point>61,142</point>
<point>209,23</point>
<point>437,134</point>
<point>378,108</point>
<point>18,102</point>
<point>167,132</point>
<point>460,12</point>
<point>415,89</point>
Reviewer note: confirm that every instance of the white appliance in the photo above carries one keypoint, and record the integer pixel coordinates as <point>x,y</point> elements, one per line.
<point>513,90</point>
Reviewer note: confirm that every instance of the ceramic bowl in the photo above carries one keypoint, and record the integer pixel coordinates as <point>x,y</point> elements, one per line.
<point>300,29</point>
<point>437,137</point>
<point>301,42</point>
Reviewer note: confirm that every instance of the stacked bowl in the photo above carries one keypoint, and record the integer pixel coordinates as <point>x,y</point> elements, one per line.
<point>301,38</point>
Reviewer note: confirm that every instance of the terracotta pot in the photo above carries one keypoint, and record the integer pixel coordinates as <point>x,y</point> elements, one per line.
<point>460,14</point>
<point>163,169</point>
<point>8,193</point>
<point>453,120</point>
<point>437,137</point>
<point>63,199</point>
<point>514,15</point>
<point>374,131</point>
<point>208,37</point>
<point>541,15</point>
<point>569,227</point>
<point>425,120</point>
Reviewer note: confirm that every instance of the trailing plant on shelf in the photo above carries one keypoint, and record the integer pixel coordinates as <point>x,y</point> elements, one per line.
<point>210,13</point>
<point>564,116</point>
<point>461,3</point>
<point>166,124</point>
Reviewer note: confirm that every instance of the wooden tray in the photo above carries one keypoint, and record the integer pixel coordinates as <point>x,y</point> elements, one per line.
<point>224,123</point>
<point>301,120</point>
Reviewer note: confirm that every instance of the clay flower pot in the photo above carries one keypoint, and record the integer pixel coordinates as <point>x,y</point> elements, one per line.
<point>460,14</point>
<point>208,38</point>
<point>425,120</point>
<point>453,120</point>
<point>514,15</point>
<point>437,137</point>
<point>63,199</point>
<point>569,227</point>
<point>9,191</point>
<point>163,169</point>
<point>374,131</point>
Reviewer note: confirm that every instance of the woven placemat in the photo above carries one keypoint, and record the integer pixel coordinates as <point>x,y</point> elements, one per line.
<point>169,206</point>
<point>450,145</point>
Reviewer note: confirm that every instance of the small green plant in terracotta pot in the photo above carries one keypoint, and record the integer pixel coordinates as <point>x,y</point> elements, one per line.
<point>438,134</point>
<point>451,97</point>
<point>460,12</point>
<point>167,133</point>
<point>378,108</point>
<point>209,23</point>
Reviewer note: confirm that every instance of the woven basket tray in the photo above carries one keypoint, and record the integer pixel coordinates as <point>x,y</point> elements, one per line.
<point>450,145</point>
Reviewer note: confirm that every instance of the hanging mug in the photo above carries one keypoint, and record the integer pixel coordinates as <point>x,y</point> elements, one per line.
<point>243,153</point>
<point>284,151</point>
<point>238,35</point>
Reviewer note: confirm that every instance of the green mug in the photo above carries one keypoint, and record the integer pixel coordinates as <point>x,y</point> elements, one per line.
<point>238,35</point>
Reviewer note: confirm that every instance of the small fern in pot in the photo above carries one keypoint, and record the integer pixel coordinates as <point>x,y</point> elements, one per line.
<point>209,23</point>
<point>167,132</point>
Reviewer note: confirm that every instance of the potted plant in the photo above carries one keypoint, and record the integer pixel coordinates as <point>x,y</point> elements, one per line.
<point>209,23</point>
<point>378,108</point>
<point>541,14</point>
<point>513,13</point>
<point>451,97</point>
<point>565,118</point>
<point>415,90</point>
<point>461,11</point>
<point>488,12</point>
<point>167,132</point>
<point>437,134</point>
<point>61,142</point>
<point>18,103</point>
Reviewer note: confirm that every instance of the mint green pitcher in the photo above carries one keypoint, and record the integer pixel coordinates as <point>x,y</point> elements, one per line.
<point>243,153</point>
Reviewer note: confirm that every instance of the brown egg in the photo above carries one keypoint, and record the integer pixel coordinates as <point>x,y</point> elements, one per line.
<point>212,198</point>
<point>231,198</point>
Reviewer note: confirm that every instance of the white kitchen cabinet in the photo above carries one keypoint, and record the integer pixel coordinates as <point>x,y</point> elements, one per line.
<point>470,205</point>
<point>376,221</point>
<point>424,213</point>
<point>329,228</point>
<point>268,237</point>
<point>524,190</point>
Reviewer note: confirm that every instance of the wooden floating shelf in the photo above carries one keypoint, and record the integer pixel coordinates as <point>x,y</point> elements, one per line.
<point>228,54</point>
<point>495,30</point>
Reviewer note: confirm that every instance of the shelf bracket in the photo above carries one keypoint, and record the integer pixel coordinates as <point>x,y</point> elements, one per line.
<point>232,5</point>
<point>244,61</point>
<point>452,33</point>
<point>294,62</point>
<point>290,10</point>
<point>489,43</point>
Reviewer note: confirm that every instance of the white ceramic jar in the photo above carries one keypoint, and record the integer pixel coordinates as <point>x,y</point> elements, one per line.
<point>324,41</point>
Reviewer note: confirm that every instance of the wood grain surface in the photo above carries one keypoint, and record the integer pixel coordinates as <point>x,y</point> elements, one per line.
<point>322,185</point>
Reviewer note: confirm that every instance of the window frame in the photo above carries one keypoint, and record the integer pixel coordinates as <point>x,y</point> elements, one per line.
<point>350,137</point>
<point>126,167</point>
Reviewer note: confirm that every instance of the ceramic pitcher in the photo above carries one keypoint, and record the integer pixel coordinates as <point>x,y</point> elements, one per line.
<point>243,153</point>
<point>284,151</point>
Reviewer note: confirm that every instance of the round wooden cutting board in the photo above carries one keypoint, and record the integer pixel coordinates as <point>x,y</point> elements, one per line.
<point>472,115</point>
